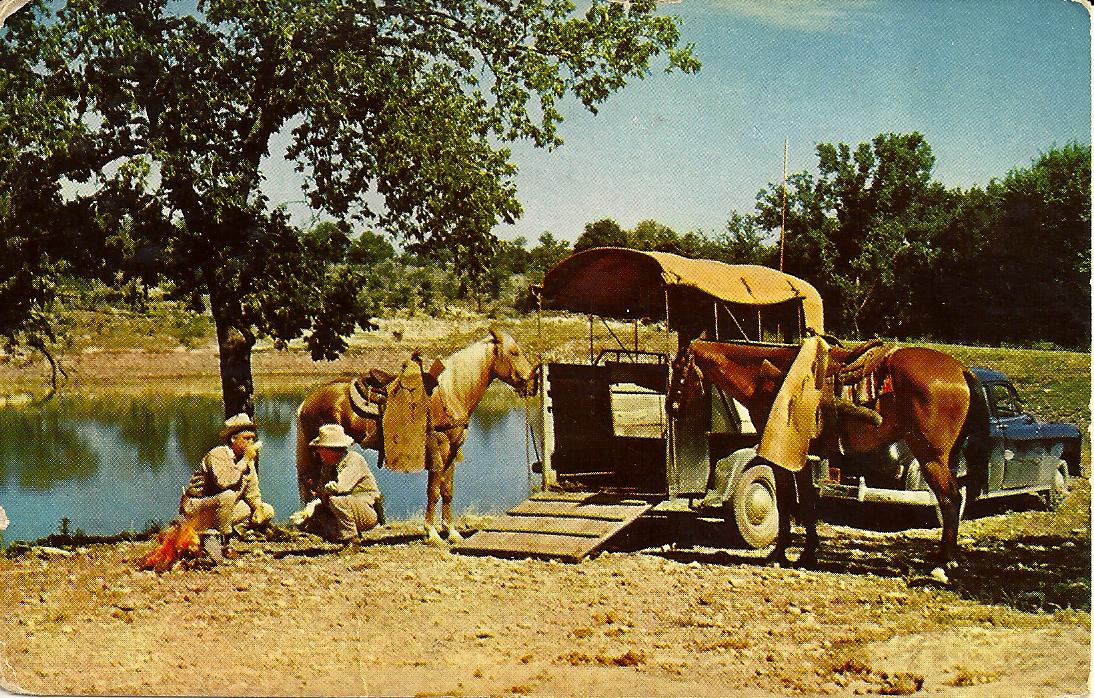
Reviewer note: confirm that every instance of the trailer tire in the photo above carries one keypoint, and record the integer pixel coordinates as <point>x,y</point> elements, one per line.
<point>751,508</point>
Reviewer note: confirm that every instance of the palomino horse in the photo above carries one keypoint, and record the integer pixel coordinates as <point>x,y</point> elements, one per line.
<point>935,402</point>
<point>460,387</point>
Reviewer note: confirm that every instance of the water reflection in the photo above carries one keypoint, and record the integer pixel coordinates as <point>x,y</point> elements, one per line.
<point>49,439</point>
<point>118,462</point>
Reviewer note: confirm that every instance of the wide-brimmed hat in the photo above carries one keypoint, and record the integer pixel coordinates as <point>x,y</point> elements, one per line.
<point>332,436</point>
<point>236,424</point>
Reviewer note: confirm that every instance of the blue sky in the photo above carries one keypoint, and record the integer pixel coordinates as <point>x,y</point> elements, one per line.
<point>990,83</point>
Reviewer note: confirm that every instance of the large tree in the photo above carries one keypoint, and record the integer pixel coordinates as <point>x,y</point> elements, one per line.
<point>393,113</point>
<point>1014,263</point>
<point>40,244</point>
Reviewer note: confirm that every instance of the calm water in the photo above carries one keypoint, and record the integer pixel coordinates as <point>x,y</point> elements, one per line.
<point>111,463</point>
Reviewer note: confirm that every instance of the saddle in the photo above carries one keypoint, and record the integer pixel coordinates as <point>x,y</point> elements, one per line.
<point>863,362</point>
<point>861,380</point>
<point>400,404</point>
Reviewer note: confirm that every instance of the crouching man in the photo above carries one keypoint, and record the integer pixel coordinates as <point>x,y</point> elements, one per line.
<point>347,501</point>
<point>225,487</point>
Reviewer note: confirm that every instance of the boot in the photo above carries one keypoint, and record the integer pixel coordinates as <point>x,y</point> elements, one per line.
<point>212,546</point>
<point>378,505</point>
<point>226,550</point>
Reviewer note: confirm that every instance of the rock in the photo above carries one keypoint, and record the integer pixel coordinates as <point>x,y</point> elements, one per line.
<point>46,551</point>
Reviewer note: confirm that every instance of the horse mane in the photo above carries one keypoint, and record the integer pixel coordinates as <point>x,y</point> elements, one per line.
<point>463,370</point>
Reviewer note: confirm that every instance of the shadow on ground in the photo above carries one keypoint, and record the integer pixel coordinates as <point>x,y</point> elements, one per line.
<point>1029,573</point>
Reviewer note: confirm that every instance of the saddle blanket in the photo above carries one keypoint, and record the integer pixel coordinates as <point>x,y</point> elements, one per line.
<point>405,421</point>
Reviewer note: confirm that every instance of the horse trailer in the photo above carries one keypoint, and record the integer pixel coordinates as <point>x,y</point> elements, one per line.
<point>608,445</point>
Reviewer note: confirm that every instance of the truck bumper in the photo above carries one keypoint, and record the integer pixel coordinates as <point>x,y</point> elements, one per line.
<point>862,493</point>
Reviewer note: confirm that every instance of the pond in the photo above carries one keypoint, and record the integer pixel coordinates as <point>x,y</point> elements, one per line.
<point>117,462</point>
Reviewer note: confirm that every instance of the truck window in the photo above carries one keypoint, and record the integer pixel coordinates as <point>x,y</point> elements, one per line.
<point>1004,400</point>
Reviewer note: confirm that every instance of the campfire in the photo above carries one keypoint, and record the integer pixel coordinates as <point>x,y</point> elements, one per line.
<point>178,542</point>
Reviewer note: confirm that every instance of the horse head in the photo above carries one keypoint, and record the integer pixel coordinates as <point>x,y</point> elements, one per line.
<point>510,364</point>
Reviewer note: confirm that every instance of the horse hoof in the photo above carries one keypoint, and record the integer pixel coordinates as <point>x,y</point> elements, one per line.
<point>807,562</point>
<point>939,575</point>
<point>454,537</point>
<point>434,539</point>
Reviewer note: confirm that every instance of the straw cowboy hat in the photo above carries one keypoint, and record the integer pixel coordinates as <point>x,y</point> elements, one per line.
<point>236,424</point>
<point>332,436</point>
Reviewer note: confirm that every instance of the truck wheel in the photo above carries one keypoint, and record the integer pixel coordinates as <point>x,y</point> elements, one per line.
<point>1054,496</point>
<point>963,492</point>
<point>752,510</point>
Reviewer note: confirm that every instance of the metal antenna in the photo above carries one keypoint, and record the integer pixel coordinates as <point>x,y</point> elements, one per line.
<point>782,228</point>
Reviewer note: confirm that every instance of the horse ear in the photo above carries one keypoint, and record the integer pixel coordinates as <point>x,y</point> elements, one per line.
<point>495,335</point>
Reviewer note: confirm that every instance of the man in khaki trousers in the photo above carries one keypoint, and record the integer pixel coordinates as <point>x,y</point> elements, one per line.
<point>348,501</point>
<point>225,483</point>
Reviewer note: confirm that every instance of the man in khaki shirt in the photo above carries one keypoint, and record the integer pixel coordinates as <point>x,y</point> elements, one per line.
<point>348,498</point>
<point>226,482</point>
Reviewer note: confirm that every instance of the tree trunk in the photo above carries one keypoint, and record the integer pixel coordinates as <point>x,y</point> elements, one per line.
<point>236,342</point>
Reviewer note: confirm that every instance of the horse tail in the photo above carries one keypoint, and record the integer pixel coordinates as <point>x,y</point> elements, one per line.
<point>304,435</point>
<point>974,438</point>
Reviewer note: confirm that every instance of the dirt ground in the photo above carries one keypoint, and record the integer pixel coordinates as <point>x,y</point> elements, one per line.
<point>665,610</point>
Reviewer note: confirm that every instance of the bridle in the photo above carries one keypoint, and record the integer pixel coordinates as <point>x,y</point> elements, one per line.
<point>684,373</point>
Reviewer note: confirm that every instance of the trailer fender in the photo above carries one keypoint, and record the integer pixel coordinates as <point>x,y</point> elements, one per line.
<point>726,472</point>
<point>746,488</point>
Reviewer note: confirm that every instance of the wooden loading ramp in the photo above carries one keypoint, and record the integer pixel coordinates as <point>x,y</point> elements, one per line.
<point>562,525</point>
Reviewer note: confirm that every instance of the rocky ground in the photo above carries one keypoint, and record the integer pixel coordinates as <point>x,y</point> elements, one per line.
<point>664,611</point>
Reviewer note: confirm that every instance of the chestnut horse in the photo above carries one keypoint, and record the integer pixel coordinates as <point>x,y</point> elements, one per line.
<point>935,402</point>
<point>460,387</point>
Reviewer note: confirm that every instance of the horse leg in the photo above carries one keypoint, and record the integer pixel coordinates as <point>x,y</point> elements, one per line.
<point>447,487</point>
<point>437,448</point>
<point>785,500</point>
<point>432,494</point>
<point>936,471</point>
<point>452,441</point>
<point>807,514</point>
<point>307,465</point>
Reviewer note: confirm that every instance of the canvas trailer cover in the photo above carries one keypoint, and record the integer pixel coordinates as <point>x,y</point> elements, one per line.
<point>631,284</point>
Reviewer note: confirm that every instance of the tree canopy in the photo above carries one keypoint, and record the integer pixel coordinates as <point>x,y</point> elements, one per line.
<point>895,253</point>
<point>393,114</point>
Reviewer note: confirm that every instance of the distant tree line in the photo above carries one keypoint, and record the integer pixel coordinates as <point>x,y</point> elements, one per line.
<point>895,253</point>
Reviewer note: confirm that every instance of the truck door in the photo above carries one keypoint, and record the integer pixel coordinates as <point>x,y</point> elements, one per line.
<point>688,466</point>
<point>1019,431</point>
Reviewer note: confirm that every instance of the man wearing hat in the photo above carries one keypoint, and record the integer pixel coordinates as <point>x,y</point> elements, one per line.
<point>226,481</point>
<point>348,497</point>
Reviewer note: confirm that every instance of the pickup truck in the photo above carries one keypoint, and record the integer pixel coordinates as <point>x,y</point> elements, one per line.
<point>1026,456</point>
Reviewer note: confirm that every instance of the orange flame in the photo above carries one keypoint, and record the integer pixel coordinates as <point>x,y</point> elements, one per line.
<point>178,540</point>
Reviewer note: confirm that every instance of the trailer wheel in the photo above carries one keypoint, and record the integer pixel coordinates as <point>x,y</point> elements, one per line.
<point>752,510</point>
